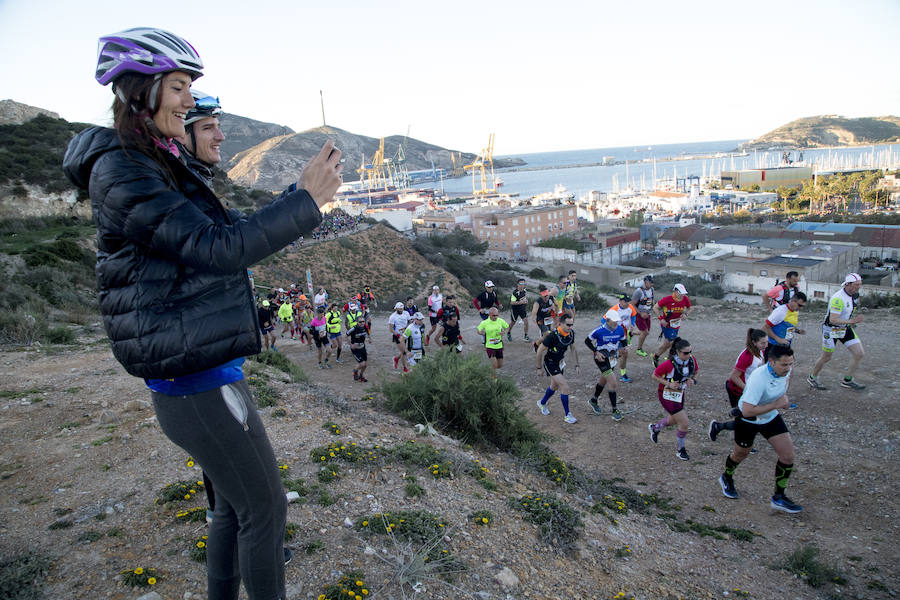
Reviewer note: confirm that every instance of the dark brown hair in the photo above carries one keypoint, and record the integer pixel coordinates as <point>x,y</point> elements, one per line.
<point>753,336</point>
<point>132,120</point>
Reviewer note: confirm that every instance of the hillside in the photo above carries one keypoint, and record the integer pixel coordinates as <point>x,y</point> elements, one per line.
<point>242,133</point>
<point>378,256</point>
<point>16,113</point>
<point>276,163</point>
<point>829,130</point>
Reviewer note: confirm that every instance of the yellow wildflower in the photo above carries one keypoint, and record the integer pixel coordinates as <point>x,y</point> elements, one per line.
<point>139,570</point>
<point>151,580</point>
<point>190,463</point>
<point>484,519</point>
<point>201,544</point>
<point>364,591</point>
<point>359,583</point>
<point>365,523</point>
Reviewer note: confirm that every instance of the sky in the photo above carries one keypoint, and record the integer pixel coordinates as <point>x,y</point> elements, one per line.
<point>541,76</point>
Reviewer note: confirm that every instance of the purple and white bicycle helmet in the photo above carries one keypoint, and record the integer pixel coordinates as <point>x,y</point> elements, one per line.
<point>145,50</point>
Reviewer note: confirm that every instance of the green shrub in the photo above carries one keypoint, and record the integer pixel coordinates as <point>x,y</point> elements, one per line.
<point>696,286</point>
<point>804,563</point>
<point>558,523</point>
<point>60,335</point>
<point>22,576</point>
<point>538,273</point>
<point>498,266</point>
<point>414,525</point>
<point>880,300</point>
<point>283,364</point>
<point>456,393</point>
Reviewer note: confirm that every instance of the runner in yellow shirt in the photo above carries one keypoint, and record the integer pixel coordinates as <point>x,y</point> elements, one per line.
<point>492,329</point>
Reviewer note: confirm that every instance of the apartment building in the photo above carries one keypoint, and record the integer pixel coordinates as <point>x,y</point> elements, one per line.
<point>510,233</point>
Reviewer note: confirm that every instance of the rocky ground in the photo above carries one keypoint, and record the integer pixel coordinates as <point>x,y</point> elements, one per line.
<point>82,461</point>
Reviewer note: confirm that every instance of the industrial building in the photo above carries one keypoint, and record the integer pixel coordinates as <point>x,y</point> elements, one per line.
<point>767,179</point>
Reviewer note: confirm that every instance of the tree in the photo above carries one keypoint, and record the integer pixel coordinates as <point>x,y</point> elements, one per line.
<point>635,219</point>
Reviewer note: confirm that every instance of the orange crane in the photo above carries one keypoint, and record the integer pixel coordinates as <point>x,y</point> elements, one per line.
<point>485,157</point>
<point>372,174</point>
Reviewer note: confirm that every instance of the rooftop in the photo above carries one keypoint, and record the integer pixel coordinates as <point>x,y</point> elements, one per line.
<point>790,261</point>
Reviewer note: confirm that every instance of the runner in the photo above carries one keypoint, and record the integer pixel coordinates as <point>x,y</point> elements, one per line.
<point>357,336</point>
<point>783,291</point>
<point>448,309</point>
<point>333,322</point>
<point>570,294</point>
<point>486,299</point>
<point>627,318</point>
<point>763,395</point>
<point>286,314</point>
<point>551,357</point>
<point>670,311</point>
<point>642,299</point>
<point>410,306</point>
<point>415,339</point>
<point>304,319</point>
<point>558,294</point>
<point>266,324</point>
<point>605,342</point>
<point>435,302</point>
<point>674,375</point>
<point>353,315</point>
<point>543,313</point>
<point>781,324</point>
<point>838,327</point>
<point>492,330</point>
<point>518,306</point>
<point>448,334</point>
<point>319,331</point>
<point>320,298</point>
<point>750,358</point>
<point>397,323</point>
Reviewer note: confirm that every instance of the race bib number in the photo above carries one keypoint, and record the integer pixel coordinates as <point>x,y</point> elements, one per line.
<point>493,340</point>
<point>562,365</point>
<point>789,334</point>
<point>838,332</point>
<point>417,354</point>
<point>673,396</point>
<point>674,323</point>
<point>613,361</point>
<point>548,321</point>
<point>459,347</point>
<point>320,329</point>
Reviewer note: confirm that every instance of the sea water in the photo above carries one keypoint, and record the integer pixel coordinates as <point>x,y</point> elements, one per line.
<point>643,165</point>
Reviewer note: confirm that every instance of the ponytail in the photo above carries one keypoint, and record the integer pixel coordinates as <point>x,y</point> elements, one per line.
<point>677,344</point>
<point>753,336</point>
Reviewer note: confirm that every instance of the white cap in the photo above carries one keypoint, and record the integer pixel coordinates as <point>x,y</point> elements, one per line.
<point>435,287</point>
<point>398,305</point>
<point>488,283</point>
<point>292,285</point>
<point>612,315</point>
<point>418,315</point>
<point>680,288</point>
<point>280,289</point>
<point>353,306</point>
<point>852,278</point>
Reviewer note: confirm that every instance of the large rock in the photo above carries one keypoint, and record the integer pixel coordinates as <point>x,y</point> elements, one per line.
<point>16,113</point>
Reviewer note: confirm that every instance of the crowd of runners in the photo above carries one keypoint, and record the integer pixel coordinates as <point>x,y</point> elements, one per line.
<point>756,388</point>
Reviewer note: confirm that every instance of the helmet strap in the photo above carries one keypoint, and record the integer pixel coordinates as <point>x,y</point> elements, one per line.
<point>152,99</point>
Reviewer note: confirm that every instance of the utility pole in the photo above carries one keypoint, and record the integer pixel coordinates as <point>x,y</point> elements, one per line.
<point>322,102</point>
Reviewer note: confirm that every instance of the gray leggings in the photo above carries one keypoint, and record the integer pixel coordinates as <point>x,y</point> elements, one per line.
<point>222,430</point>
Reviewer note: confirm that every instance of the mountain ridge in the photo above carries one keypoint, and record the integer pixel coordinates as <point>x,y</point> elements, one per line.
<point>829,130</point>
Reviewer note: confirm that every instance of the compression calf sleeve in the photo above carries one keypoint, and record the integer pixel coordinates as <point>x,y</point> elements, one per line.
<point>598,389</point>
<point>730,466</point>
<point>679,438</point>
<point>612,399</point>
<point>565,402</point>
<point>547,395</point>
<point>782,473</point>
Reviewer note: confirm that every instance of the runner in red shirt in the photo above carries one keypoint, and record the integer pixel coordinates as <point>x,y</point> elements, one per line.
<point>670,311</point>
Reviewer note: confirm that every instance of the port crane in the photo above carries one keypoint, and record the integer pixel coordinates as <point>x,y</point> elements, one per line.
<point>484,160</point>
<point>373,174</point>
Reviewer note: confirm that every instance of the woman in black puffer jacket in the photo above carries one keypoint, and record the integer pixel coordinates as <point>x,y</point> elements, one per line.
<point>175,297</point>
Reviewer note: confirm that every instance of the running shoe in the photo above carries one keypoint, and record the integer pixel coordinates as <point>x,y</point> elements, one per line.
<point>654,434</point>
<point>209,515</point>
<point>640,352</point>
<point>288,555</point>
<point>682,454</point>
<point>543,407</point>
<point>814,383</point>
<point>792,406</point>
<point>321,366</point>
<point>852,385</point>
<point>327,364</point>
<point>625,379</point>
<point>595,407</point>
<point>363,379</point>
<point>713,430</point>
<point>785,504</point>
<point>617,414</point>
<point>655,359</point>
<point>355,375</point>
<point>570,418</point>
<point>274,349</point>
<point>405,370</point>
<point>339,361</point>
<point>727,484</point>
<point>526,338</point>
